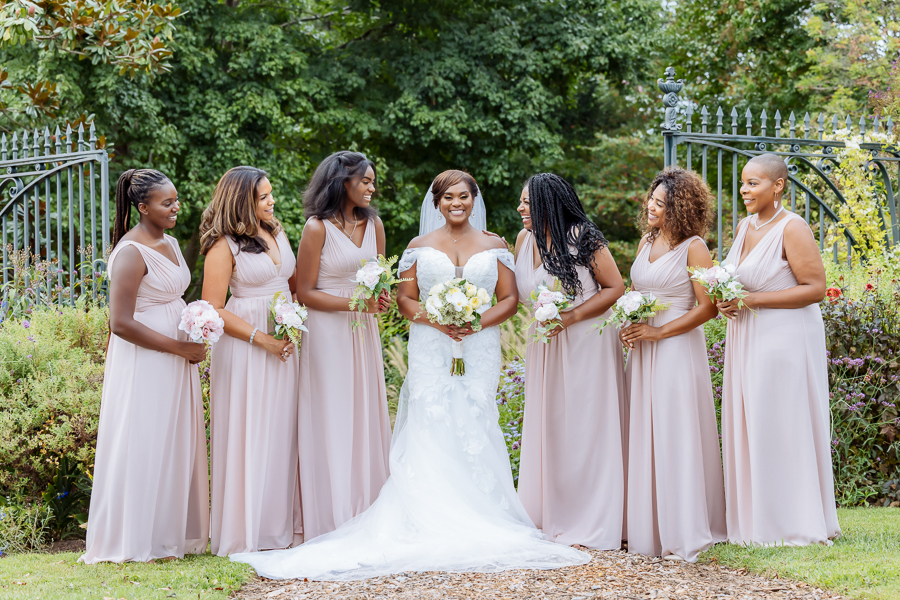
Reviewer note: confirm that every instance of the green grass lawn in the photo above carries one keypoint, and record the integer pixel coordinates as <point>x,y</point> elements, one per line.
<point>61,577</point>
<point>863,563</point>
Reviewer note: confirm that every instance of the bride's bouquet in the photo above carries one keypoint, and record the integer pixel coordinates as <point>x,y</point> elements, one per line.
<point>720,283</point>
<point>374,275</point>
<point>288,318</point>
<point>457,302</point>
<point>202,322</point>
<point>633,307</point>
<point>546,304</point>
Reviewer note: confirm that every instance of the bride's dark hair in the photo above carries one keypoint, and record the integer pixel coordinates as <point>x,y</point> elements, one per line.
<point>557,211</point>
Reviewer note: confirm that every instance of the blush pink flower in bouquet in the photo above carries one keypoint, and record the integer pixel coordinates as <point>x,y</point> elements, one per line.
<point>202,322</point>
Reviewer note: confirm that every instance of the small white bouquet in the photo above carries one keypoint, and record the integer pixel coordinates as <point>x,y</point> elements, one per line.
<point>634,307</point>
<point>374,276</point>
<point>720,283</point>
<point>288,318</point>
<point>202,322</point>
<point>546,304</point>
<point>457,302</point>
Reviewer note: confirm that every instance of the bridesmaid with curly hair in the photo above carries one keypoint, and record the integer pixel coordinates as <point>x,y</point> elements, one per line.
<point>571,477</point>
<point>676,497</point>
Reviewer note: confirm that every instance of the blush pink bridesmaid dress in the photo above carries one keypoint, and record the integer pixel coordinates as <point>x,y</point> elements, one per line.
<point>676,496</point>
<point>345,428</point>
<point>253,419</point>
<point>150,496</point>
<point>779,484</point>
<point>572,468</point>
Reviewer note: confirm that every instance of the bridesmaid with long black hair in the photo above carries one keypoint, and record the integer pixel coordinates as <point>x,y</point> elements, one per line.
<point>345,429</point>
<point>150,496</point>
<point>572,473</point>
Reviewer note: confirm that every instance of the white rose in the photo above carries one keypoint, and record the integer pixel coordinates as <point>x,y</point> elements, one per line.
<point>547,312</point>
<point>370,280</point>
<point>436,289</point>
<point>483,297</point>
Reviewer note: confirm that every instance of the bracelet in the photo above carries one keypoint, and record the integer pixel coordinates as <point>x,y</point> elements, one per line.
<point>252,335</point>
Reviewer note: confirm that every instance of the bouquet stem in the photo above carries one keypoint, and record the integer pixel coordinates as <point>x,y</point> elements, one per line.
<point>457,365</point>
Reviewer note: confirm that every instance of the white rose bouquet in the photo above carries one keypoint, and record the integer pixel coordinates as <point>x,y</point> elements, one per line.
<point>634,307</point>
<point>374,276</point>
<point>288,318</point>
<point>546,304</point>
<point>457,302</point>
<point>720,283</point>
<point>202,322</point>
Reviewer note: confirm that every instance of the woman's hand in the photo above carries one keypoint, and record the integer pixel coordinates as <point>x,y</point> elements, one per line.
<point>280,348</point>
<point>454,332</point>
<point>192,352</point>
<point>730,308</point>
<point>379,304</point>
<point>638,332</point>
<point>566,319</point>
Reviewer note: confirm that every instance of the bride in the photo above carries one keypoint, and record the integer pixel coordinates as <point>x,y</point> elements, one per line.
<point>449,504</point>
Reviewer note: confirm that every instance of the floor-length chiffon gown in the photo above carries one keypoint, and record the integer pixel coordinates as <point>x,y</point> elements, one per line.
<point>676,497</point>
<point>345,427</point>
<point>779,485</point>
<point>150,496</point>
<point>449,503</point>
<point>253,418</point>
<point>571,473</point>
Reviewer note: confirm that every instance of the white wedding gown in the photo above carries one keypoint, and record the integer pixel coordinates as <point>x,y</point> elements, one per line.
<point>449,504</point>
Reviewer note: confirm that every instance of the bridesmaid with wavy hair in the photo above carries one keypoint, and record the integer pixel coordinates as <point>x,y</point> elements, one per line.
<point>150,498</point>
<point>345,429</point>
<point>571,475</point>
<point>776,421</point>
<point>676,502</point>
<point>253,376</point>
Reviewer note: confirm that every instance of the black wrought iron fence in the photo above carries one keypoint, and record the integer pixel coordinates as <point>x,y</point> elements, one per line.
<point>718,146</point>
<point>54,219</point>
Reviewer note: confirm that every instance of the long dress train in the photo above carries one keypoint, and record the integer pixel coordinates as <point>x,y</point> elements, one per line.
<point>779,484</point>
<point>449,503</point>
<point>571,475</point>
<point>150,497</point>
<point>676,498</point>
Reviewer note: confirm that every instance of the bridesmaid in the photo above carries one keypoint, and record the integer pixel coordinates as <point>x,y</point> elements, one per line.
<point>571,475</point>
<point>253,376</point>
<point>151,494</point>
<point>779,486</point>
<point>676,500</point>
<point>345,428</point>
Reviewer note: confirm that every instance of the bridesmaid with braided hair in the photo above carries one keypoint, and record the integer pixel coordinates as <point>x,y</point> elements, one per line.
<point>571,476</point>
<point>150,497</point>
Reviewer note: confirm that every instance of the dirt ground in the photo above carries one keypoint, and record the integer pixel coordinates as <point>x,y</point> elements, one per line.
<point>610,575</point>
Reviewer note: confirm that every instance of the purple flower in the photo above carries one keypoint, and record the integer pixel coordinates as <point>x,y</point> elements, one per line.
<point>26,324</point>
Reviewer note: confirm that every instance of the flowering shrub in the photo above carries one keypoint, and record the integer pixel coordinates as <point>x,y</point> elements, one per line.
<point>511,405</point>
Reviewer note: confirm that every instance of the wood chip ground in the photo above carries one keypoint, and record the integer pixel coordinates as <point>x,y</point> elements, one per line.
<point>609,576</point>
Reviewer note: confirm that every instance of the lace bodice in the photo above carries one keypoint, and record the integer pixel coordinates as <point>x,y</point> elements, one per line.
<point>436,267</point>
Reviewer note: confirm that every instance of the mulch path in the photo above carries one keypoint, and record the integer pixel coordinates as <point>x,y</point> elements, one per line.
<point>610,575</point>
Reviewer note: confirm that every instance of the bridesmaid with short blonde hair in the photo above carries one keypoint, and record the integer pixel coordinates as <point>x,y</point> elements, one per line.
<point>776,420</point>
<point>676,503</point>
<point>150,497</point>
<point>253,376</point>
<point>571,474</point>
<point>345,429</point>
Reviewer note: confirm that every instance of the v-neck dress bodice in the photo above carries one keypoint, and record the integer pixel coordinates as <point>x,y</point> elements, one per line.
<point>676,503</point>
<point>572,469</point>
<point>776,421</point>
<point>150,496</point>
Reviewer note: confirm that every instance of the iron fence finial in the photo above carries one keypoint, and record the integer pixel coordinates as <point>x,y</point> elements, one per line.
<point>670,88</point>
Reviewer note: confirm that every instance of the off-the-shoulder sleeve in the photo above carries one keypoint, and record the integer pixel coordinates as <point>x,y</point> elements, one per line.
<point>505,257</point>
<point>410,255</point>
